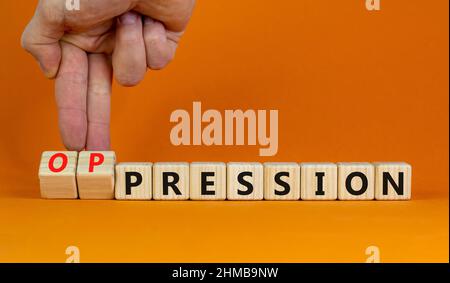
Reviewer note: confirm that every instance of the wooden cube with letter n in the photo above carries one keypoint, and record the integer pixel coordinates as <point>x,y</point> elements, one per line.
<point>281,181</point>
<point>208,181</point>
<point>133,181</point>
<point>392,180</point>
<point>319,181</point>
<point>356,181</point>
<point>57,175</point>
<point>171,181</point>
<point>245,181</point>
<point>95,174</point>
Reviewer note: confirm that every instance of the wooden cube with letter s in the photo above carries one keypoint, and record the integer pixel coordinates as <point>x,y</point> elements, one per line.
<point>281,181</point>
<point>245,181</point>
<point>95,174</point>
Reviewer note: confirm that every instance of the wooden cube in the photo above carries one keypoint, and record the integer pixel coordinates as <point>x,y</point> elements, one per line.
<point>208,181</point>
<point>356,181</point>
<point>133,181</point>
<point>245,181</point>
<point>318,181</point>
<point>171,181</point>
<point>281,181</point>
<point>392,180</point>
<point>57,175</point>
<point>95,174</point>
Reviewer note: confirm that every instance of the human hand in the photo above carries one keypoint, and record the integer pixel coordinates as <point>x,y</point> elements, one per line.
<point>80,49</point>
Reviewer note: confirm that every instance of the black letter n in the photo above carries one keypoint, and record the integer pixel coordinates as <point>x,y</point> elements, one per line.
<point>398,188</point>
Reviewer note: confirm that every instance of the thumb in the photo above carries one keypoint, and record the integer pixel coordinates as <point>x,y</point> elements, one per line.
<point>41,36</point>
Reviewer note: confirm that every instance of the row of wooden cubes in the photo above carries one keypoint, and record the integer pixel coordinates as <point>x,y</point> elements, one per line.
<point>95,175</point>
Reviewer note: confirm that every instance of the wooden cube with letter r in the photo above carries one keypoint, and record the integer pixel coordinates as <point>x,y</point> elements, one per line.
<point>171,181</point>
<point>95,174</point>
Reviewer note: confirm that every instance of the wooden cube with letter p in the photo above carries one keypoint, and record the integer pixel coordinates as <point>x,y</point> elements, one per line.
<point>392,180</point>
<point>356,181</point>
<point>171,181</point>
<point>133,181</point>
<point>245,181</point>
<point>281,181</point>
<point>57,175</point>
<point>208,181</point>
<point>319,181</point>
<point>95,174</point>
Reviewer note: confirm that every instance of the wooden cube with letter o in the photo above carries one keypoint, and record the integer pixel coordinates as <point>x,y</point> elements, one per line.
<point>57,175</point>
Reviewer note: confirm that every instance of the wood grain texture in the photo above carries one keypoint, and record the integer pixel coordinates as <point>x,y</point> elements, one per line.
<point>254,176</point>
<point>351,185</point>
<point>137,191</point>
<point>168,171</point>
<point>318,181</point>
<point>288,173</point>
<point>214,181</point>
<point>58,185</point>
<point>98,184</point>
<point>400,172</point>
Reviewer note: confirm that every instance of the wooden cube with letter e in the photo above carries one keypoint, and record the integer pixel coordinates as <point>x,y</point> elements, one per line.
<point>208,181</point>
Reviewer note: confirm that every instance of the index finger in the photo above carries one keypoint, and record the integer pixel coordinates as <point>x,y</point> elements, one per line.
<point>99,102</point>
<point>71,91</point>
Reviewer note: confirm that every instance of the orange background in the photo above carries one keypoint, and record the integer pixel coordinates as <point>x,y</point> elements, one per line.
<point>349,84</point>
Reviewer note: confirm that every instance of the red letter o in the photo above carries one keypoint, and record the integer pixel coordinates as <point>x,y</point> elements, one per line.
<point>51,162</point>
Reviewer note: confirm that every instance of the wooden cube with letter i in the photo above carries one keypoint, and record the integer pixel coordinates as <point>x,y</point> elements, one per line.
<point>95,174</point>
<point>319,181</point>
<point>133,181</point>
<point>57,175</point>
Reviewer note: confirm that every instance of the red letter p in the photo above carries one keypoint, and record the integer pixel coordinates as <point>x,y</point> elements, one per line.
<point>95,159</point>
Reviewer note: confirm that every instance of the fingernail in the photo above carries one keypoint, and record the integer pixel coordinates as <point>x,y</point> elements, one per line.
<point>49,74</point>
<point>129,18</point>
<point>148,20</point>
